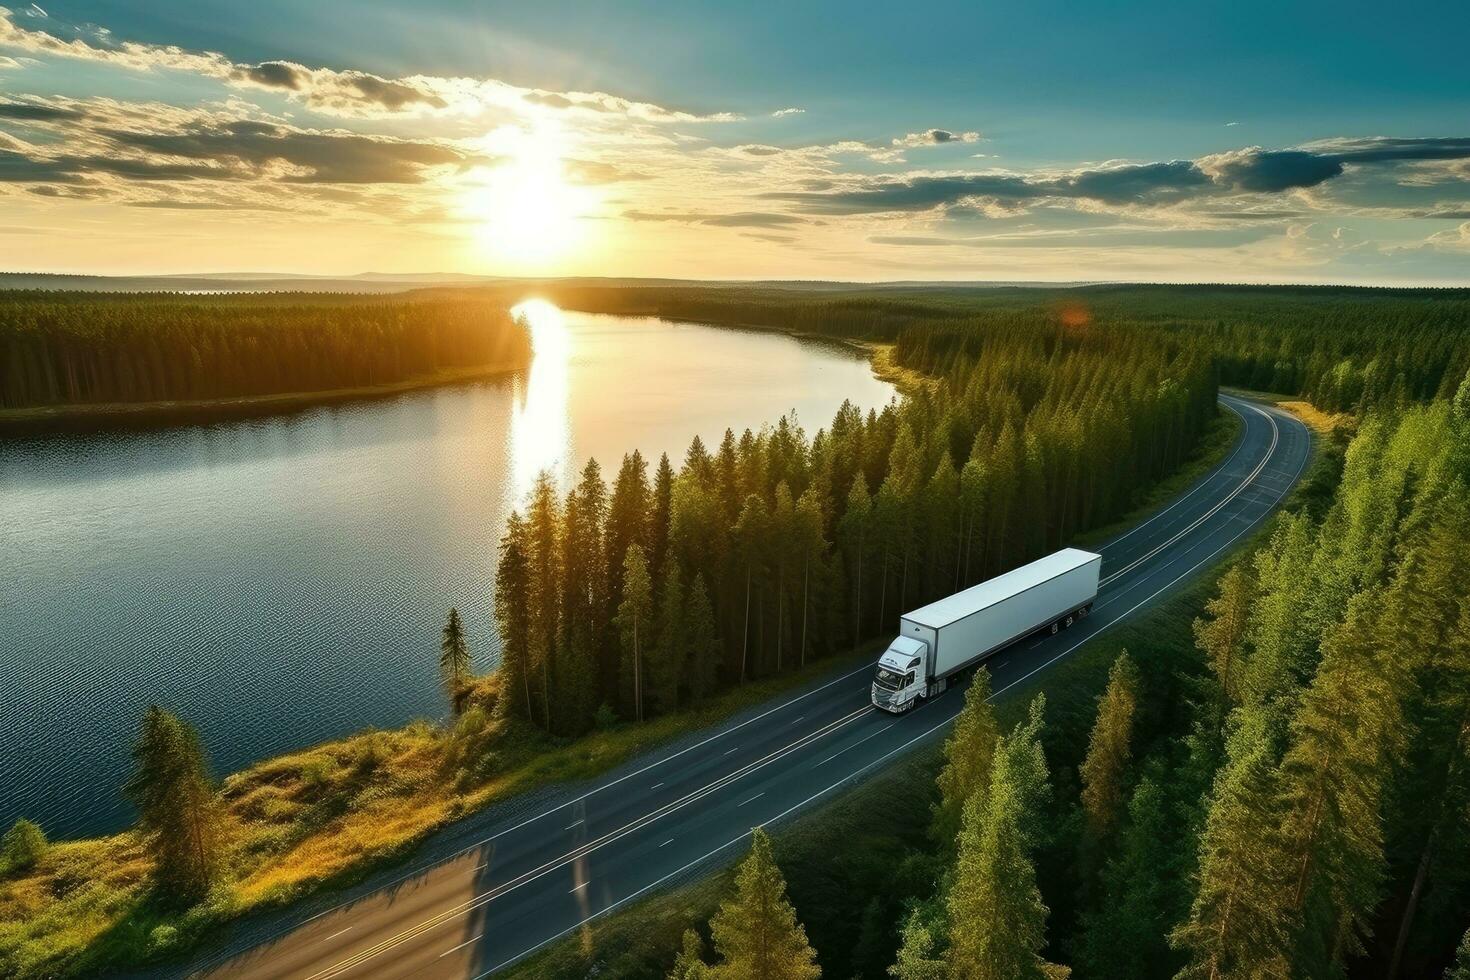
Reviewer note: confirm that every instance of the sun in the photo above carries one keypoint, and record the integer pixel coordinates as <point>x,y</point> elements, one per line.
<point>523,210</point>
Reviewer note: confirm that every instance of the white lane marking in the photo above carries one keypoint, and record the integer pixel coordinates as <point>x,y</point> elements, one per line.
<point>480,866</point>
<point>865,668</point>
<point>667,842</point>
<point>735,749</point>
<point>853,775</point>
<point>798,721</point>
<point>460,946</point>
<point>1217,470</point>
<point>579,887</point>
<point>856,744</point>
<point>575,825</point>
<point>751,800</point>
<point>1250,479</point>
<point>655,786</point>
<point>334,935</point>
<point>423,927</point>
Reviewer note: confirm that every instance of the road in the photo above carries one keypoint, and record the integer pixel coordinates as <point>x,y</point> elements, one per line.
<point>541,874</point>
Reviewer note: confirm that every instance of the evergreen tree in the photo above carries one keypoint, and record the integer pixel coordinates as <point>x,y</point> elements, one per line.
<point>750,534</point>
<point>178,814</point>
<point>23,845</point>
<point>513,616</point>
<point>968,755</point>
<point>689,964</point>
<point>1104,771</point>
<point>454,662</point>
<point>854,529</point>
<point>703,638</point>
<point>756,933</point>
<point>918,955</point>
<point>996,914</point>
<point>1222,636</point>
<point>544,531</point>
<point>668,661</point>
<point>635,627</point>
<point>1235,926</point>
<point>1460,970</point>
<point>1126,936</point>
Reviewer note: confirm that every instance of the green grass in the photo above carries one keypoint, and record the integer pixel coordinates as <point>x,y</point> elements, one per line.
<point>322,818</point>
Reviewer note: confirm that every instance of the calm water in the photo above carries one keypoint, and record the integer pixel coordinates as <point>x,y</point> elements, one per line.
<point>283,581</point>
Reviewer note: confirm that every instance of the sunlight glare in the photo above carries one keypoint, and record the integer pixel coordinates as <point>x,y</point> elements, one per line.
<point>524,210</point>
<point>540,434</point>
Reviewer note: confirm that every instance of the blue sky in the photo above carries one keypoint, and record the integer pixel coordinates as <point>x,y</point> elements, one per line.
<point>1307,141</point>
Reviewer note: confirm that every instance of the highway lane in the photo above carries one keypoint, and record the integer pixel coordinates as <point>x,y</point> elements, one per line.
<point>533,874</point>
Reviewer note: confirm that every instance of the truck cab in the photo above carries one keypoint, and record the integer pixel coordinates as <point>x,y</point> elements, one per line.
<point>902,676</point>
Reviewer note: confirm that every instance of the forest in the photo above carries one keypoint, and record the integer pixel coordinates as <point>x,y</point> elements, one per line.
<point>1284,793</point>
<point>100,348</point>
<point>750,558</point>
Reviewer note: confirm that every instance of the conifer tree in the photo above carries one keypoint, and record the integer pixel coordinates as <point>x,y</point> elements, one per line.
<point>996,914</point>
<point>635,627</point>
<point>1104,771</point>
<point>544,532</point>
<point>1126,936</point>
<point>513,616</point>
<point>454,662</point>
<point>1222,636</point>
<point>1460,969</point>
<point>1235,926</point>
<point>750,533</point>
<point>919,957</point>
<point>668,662</point>
<point>178,814</point>
<point>854,528</point>
<point>756,932</point>
<point>703,638</point>
<point>968,755</point>
<point>690,964</point>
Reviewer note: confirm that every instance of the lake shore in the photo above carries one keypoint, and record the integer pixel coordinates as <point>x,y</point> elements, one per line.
<point>78,417</point>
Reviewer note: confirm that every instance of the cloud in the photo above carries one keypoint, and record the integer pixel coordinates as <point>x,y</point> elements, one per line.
<point>37,112</point>
<point>737,219</point>
<point>780,113</point>
<point>349,92</point>
<point>1248,171</point>
<point>101,143</point>
<point>935,137</point>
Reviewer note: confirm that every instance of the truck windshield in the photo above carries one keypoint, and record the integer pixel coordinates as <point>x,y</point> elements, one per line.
<point>890,679</point>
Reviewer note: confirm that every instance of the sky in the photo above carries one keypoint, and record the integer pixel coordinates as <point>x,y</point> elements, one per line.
<point>1149,141</point>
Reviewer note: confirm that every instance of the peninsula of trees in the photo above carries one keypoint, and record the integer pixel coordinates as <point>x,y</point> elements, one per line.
<point>93,349</point>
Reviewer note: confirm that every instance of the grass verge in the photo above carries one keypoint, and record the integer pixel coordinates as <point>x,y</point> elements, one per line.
<point>325,817</point>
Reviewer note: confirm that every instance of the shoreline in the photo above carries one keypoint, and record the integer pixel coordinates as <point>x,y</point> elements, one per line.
<point>86,416</point>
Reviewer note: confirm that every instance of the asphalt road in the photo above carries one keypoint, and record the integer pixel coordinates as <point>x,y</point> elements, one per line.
<point>535,874</point>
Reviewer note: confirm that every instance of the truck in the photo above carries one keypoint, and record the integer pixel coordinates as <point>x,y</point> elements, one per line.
<point>938,641</point>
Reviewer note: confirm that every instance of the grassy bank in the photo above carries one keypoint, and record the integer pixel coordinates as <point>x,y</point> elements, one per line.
<point>322,818</point>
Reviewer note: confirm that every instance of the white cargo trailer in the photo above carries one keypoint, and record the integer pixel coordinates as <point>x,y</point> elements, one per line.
<point>956,632</point>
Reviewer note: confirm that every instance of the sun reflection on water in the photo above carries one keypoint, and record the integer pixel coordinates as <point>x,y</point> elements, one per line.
<point>540,429</point>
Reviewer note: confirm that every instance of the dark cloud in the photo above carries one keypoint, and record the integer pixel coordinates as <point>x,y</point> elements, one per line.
<point>1247,171</point>
<point>391,95</point>
<point>737,219</point>
<point>242,150</point>
<point>34,112</point>
<point>1263,172</point>
<point>277,74</point>
<point>328,158</point>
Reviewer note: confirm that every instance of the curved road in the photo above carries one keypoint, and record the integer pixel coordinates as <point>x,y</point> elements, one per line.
<point>542,869</point>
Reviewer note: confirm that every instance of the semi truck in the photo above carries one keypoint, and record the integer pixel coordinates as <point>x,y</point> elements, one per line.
<point>939,640</point>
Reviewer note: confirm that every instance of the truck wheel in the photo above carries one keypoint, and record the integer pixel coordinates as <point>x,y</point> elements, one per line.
<point>1068,623</point>
<point>1054,628</point>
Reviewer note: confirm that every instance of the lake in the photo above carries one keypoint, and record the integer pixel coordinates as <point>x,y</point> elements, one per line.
<point>282,581</point>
